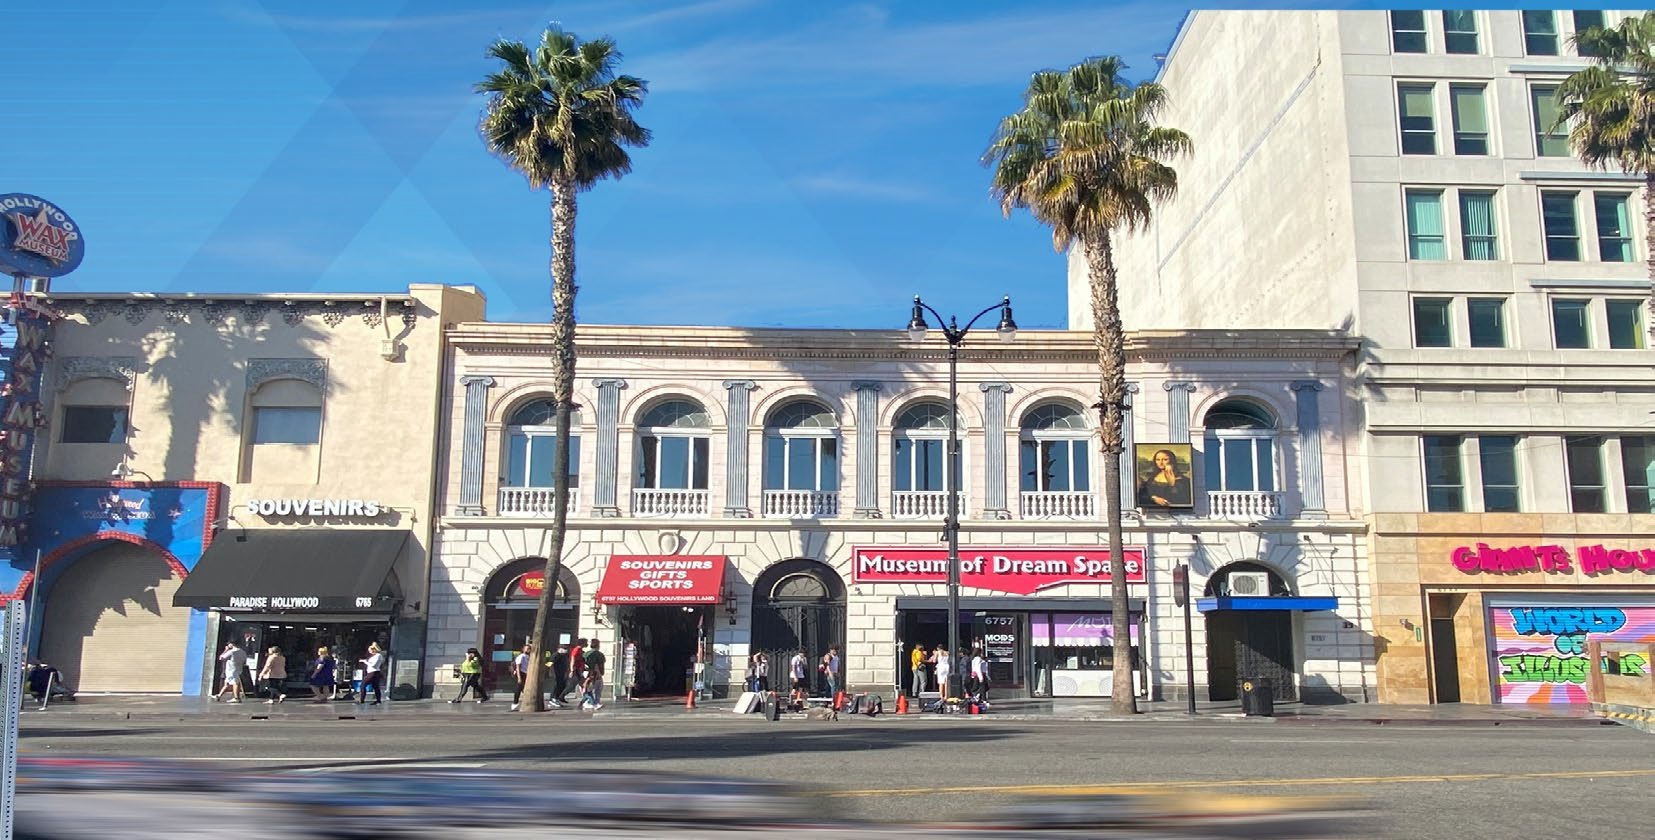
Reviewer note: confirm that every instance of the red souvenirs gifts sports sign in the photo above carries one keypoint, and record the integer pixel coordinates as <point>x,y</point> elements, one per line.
<point>1018,570</point>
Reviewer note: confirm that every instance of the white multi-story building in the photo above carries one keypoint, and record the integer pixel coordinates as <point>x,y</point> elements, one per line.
<point>1396,174</point>
<point>746,490</point>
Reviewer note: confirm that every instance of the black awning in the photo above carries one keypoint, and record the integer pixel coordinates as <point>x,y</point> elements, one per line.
<point>292,569</point>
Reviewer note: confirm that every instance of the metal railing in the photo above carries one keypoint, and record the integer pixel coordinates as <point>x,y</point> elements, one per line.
<point>532,501</point>
<point>1245,504</point>
<point>669,502</point>
<point>800,504</point>
<point>1059,505</point>
<point>923,504</point>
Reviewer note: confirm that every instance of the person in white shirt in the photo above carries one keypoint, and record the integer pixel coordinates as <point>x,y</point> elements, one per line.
<point>939,661</point>
<point>979,675</point>
<point>799,670</point>
<point>235,663</point>
<point>373,674</point>
<point>520,665</point>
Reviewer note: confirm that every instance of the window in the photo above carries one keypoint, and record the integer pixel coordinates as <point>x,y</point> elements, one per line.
<point>1425,236</point>
<point>1638,465</point>
<point>1478,239</point>
<point>1614,227</point>
<point>531,445</point>
<point>1431,319</point>
<point>1470,119</point>
<point>1585,457</point>
<point>1497,454</point>
<point>1240,447</point>
<point>1626,328</point>
<point>921,438</point>
<point>1550,139</point>
<point>801,448</point>
<point>1054,453</point>
<point>1418,119</point>
<point>1570,330</point>
<point>1459,31</point>
<point>1557,211</point>
<point>1444,481</point>
<point>287,424</point>
<point>1488,321</point>
<point>1585,20</point>
<point>1408,31</point>
<point>1540,33</point>
<point>673,447</point>
<point>94,424</point>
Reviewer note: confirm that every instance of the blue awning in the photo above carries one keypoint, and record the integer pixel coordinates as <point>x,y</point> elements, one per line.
<point>1281,602</point>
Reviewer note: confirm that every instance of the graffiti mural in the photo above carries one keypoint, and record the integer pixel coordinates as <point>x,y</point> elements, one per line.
<point>1540,651</point>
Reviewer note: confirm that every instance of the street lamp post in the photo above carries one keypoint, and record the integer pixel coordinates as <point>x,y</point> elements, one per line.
<point>955,334</point>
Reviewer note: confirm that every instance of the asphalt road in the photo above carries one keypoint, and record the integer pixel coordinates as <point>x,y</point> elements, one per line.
<point>1424,781</point>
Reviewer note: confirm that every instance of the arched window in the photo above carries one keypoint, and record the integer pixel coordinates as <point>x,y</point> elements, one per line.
<point>286,411</point>
<point>920,438</point>
<point>801,448</point>
<point>1055,449</point>
<point>531,445</point>
<point>1240,447</point>
<point>673,447</point>
<point>94,411</point>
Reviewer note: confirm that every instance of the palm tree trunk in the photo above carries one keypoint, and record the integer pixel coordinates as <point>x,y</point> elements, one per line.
<point>1111,344</point>
<point>563,389</point>
<point>1649,250</point>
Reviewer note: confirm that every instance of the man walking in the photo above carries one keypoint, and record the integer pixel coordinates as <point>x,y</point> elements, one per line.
<point>798,670</point>
<point>235,662</point>
<point>560,677</point>
<point>520,666</point>
<point>592,697</point>
<point>830,664</point>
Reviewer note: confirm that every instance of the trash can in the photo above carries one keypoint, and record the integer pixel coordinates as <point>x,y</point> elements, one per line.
<point>1257,698</point>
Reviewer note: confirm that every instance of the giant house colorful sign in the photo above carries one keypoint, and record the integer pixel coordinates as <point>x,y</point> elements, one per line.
<point>1552,559</point>
<point>1017,570</point>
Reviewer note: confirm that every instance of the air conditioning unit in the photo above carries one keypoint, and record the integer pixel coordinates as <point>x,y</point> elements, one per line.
<point>1250,584</point>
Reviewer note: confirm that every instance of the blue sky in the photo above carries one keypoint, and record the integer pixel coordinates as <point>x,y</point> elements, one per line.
<point>813,164</point>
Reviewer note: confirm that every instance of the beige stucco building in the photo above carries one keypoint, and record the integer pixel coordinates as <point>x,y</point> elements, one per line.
<point>249,468</point>
<point>1395,174</point>
<point>745,490</point>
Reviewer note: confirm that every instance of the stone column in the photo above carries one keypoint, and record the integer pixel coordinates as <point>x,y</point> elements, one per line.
<point>608,447</point>
<point>867,450</point>
<point>735,448</point>
<point>1310,449</point>
<point>994,450</point>
<point>1129,460</point>
<point>1178,410</point>
<point>471,444</point>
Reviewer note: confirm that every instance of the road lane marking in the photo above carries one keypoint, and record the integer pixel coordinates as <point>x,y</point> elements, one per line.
<point>1126,787</point>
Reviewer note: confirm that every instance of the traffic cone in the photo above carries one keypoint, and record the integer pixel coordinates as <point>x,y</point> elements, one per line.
<point>689,699</point>
<point>838,701</point>
<point>902,704</point>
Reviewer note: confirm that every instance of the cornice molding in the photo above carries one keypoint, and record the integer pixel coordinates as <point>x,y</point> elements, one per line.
<point>246,310</point>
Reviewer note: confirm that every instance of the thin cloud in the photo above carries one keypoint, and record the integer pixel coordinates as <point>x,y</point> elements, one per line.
<point>849,186</point>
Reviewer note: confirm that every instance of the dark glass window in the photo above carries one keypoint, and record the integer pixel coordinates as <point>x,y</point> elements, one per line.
<point>1626,324</point>
<point>1444,481</point>
<point>1459,31</point>
<point>1418,117</point>
<point>1431,322</point>
<point>287,424</point>
<point>1557,210</point>
<point>1497,454</point>
<point>1570,329</point>
<point>1540,32</point>
<point>94,424</point>
<point>1638,465</point>
<point>1585,20</point>
<point>1585,456</point>
<point>1488,321</point>
<point>1408,31</point>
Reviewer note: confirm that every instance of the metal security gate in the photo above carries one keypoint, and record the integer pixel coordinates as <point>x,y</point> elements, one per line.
<point>780,630</point>
<point>1246,644</point>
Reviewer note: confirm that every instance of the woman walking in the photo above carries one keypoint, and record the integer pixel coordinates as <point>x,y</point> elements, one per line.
<point>321,675</point>
<point>939,661</point>
<point>373,674</point>
<point>471,676</point>
<point>273,672</point>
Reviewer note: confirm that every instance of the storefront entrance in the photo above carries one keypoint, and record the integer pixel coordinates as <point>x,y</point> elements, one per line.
<point>1030,653</point>
<point>666,643</point>
<point>797,605</point>
<point>1250,643</point>
<point>510,602</point>
<point>300,639</point>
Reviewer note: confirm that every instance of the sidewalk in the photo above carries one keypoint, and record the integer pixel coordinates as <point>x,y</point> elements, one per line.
<point>175,708</point>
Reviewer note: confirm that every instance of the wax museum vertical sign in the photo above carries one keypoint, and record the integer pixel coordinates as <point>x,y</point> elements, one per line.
<point>23,349</point>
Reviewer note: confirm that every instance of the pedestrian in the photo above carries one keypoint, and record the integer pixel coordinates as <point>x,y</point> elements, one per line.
<point>373,674</point>
<point>939,663</point>
<point>830,670</point>
<point>592,697</point>
<point>758,673</point>
<point>979,675</point>
<point>321,675</point>
<point>577,668</point>
<point>273,672</point>
<point>916,662</point>
<point>471,676</point>
<point>798,670</point>
<point>560,677</point>
<point>42,678</point>
<point>520,665</point>
<point>235,662</point>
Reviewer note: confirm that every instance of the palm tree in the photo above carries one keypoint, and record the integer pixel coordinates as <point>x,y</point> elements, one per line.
<point>561,116</point>
<point>1085,157</point>
<point>1612,108</point>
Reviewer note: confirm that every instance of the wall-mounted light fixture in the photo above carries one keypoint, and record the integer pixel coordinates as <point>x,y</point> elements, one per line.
<point>729,598</point>
<point>597,613</point>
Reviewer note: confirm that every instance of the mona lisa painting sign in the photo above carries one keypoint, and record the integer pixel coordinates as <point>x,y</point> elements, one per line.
<point>1164,476</point>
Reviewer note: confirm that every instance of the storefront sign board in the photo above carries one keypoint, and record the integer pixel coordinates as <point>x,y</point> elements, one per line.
<point>316,508</point>
<point>1553,559</point>
<point>1540,651</point>
<point>662,579</point>
<point>23,340</point>
<point>1018,570</point>
<point>37,239</point>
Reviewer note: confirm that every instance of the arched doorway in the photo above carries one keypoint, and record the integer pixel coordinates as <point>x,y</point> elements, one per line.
<point>108,622</point>
<point>797,604</point>
<point>509,603</point>
<point>1249,644</point>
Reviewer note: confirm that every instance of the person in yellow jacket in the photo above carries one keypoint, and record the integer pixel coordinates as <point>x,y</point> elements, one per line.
<point>916,660</point>
<point>471,676</point>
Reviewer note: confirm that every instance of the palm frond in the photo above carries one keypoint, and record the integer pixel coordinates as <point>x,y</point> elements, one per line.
<point>1609,108</point>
